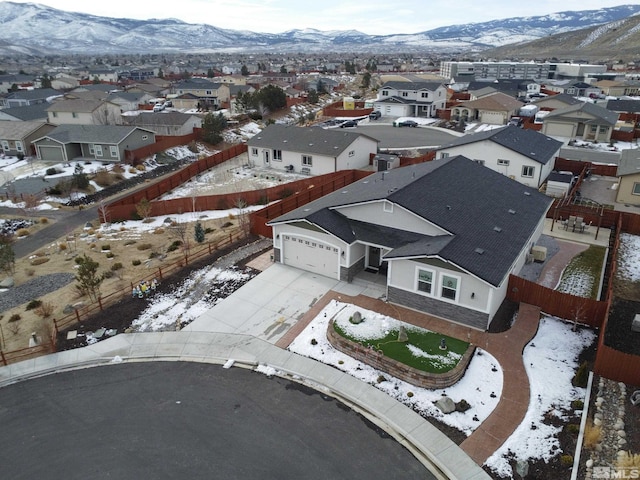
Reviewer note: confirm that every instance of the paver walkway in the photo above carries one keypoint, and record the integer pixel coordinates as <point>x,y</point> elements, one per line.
<point>506,347</point>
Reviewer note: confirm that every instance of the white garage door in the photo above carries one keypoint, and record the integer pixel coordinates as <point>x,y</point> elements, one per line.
<point>310,255</point>
<point>493,118</point>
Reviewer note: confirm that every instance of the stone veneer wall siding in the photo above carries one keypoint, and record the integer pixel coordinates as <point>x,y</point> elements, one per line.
<point>397,369</point>
<point>347,273</point>
<point>435,307</point>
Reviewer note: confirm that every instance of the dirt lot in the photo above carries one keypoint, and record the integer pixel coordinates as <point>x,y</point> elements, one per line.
<point>138,253</point>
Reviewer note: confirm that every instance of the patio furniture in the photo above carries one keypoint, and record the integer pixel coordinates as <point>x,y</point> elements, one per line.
<point>572,223</point>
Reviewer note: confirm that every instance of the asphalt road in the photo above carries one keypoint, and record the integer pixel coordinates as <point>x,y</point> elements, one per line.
<point>182,420</point>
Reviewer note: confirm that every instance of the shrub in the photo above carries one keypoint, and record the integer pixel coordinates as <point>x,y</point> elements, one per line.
<point>566,460</point>
<point>56,190</point>
<point>62,246</point>
<point>381,378</point>
<point>132,170</point>
<point>141,167</point>
<point>582,376</point>
<point>116,266</point>
<point>153,255</point>
<point>104,178</point>
<point>209,230</point>
<point>29,272</point>
<point>33,304</point>
<point>39,260</point>
<point>52,171</point>
<point>174,246</point>
<point>129,242</point>
<point>573,428</point>
<point>462,406</point>
<point>108,274</point>
<point>135,262</point>
<point>158,231</point>
<point>144,246</point>
<point>110,255</point>
<point>592,434</point>
<point>15,318</point>
<point>227,225</point>
<point>22,232</point>
<point>105,247</point>
<point>45,310</point>
<point>117,168</point>
<point>628,460</point>
<point>409,394</point>
<point>44,220</point>
<point>577,404</point>
<point>314,341</point>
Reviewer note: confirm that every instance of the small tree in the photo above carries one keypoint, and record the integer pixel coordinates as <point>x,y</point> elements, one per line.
<point>103,212</point>
<point>179,232</point>
<point>143,209</point>
<point>244,71</point>
<point>199,232</point>
<point>243,217</point>
<point>312,97</point>
<point>212,127</point>
<point>87,277</point>
<point>7,255</point>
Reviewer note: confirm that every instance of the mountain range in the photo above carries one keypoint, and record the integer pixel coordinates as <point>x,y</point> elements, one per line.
<point>34,29</point>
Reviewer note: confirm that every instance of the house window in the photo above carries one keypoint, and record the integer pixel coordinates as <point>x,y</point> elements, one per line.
<point>352,153</point>
<point>307,160</point>
<point>277,155</point>
<point>405,94</point>
<point>528,171</point>
<point>92,150</point>
<point>388,207</point>
<point>424,94</point>
<point>208,92</point>
<point>502,162</point>
<point>636,189</point>
<point>254,152</point>
<point>145,137</point>
<point>113,150</point>
<point>449,287</point>
<point>444,155</point>
<point>385,93</point>
<point>19,146</point>
<point>98,150</point>
<point>604,129</point>
<point>425,281</point>
<point>5,145</point>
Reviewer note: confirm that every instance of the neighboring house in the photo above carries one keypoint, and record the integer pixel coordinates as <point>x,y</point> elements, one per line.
<point>612,88</point>
<point>209,94</point>
<point>103,75</point>
<point>9,81</point>
<point>106,143</point>
<point>24,98</point>
<point>515,88</point>
<point>186,101</point>
<point>138,75</point>
<point>129,101</point>
<point>16,137</point>
<point>523,155</point>
<point>84,112</point>
<point>448,233</point>
<point>88,95</point>
<point>64,82</point>
<point>624,106</point>
<point>494,109</point>
<point>165,123</point>
<point>553,102</point>
<point>36,112</point>
<point>629,177</point>
<point>314,151</point>
<point>573,88</point>
<point>583,121</point>
<point>153,89</point>
<point>411,99</point>
<point>234,90</point>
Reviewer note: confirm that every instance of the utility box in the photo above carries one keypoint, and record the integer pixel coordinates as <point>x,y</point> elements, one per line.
<point>539,253</point>
<point>348,103</point>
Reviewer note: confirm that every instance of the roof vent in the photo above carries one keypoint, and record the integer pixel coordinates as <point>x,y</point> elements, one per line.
<point>366,181</point>
<point>497,229</point>
<point>479,251</point>
<point>512,211</point>
<point>306,210</point>
<point>527,193</point>
<point>285,141</point>
<point>448,207</point>
<point>345,191</point>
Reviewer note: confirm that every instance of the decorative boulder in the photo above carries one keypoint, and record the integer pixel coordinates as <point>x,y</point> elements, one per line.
<point>356,318</point>
<point>7,283</point>
<point>446,405</point>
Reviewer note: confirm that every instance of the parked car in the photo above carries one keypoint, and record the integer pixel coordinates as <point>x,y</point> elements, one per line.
<point>408,123</point>
<point>375,115</point>
<point>516,121</point>
<point>349,123</point>
<point>158,107</point>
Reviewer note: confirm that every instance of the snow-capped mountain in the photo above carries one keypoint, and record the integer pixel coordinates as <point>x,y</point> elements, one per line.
<point>33,28</point>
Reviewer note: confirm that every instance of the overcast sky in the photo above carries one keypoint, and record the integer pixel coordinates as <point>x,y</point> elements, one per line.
<point>374,17</point>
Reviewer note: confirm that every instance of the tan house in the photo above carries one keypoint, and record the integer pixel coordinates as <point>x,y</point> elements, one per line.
<point>582,121</point>
<point>84,112</point>
<point>16,137</point>
<point>553,102</point>
<point>494,109</point>
<point>216,95</point>
<point>629,178</point>
<point>612,88</point>
<point>165,123</point>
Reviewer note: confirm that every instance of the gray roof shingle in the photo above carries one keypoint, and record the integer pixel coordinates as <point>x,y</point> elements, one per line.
<point>490,218</point>
<point>104,134</point>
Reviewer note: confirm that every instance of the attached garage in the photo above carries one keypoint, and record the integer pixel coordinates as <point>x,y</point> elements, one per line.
<point>311,255</point>
<point>558,129</point>
<point>54,154</point>
<point>493,118</point>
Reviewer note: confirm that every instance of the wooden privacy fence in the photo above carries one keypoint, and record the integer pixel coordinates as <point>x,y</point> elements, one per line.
<point>160,273</point>
<point>162,143</point>
<point>563,305</point>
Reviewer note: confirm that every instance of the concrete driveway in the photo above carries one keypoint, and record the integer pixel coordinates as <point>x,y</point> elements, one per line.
<point>268,305</point>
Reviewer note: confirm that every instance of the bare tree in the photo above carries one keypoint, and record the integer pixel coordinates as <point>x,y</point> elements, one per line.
<point>178,231</point>
<point>103,212</point>
<point>244,222</point>
<point>143,209</point>
<point>578,315</point>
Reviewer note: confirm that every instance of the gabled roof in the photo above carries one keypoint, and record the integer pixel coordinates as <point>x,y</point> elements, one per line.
<point>600,114</point>
<point>103,134</point>
<point>317,141</point>
<point>629,163</point>
<point>161,119</point>
<point>530,143</point>
<point>487,218</point>
<point>128,96</point>
<point>19,130</point>
<point>76,105</point>
<point>560,97</point>
<point>35,94</point>
<point>28,112</point>
<point>496,101</point>
<point>414,86</point>
<point>624,106</point>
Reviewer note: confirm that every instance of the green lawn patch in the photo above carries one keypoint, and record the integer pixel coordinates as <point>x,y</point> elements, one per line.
<point>421,350</point>
<point>582,275</point>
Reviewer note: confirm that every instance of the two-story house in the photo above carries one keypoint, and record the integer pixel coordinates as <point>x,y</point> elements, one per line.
<point>411,99</point>
<point>446,234</point>
<point>526,156</point>
<point>313,151</point>
<point>84,112</point>
<point>209,94</point>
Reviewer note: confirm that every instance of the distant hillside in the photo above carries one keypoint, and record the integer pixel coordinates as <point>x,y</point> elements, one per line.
<point>619,40</point>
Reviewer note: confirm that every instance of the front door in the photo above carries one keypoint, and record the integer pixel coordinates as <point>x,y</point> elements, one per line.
<point>266,157</point>
<point>374,258</point>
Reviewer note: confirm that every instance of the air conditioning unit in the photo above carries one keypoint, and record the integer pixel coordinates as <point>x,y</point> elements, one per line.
<point>539,253</point>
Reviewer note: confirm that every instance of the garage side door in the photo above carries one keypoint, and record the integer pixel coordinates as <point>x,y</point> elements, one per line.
<point>310,255</point>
